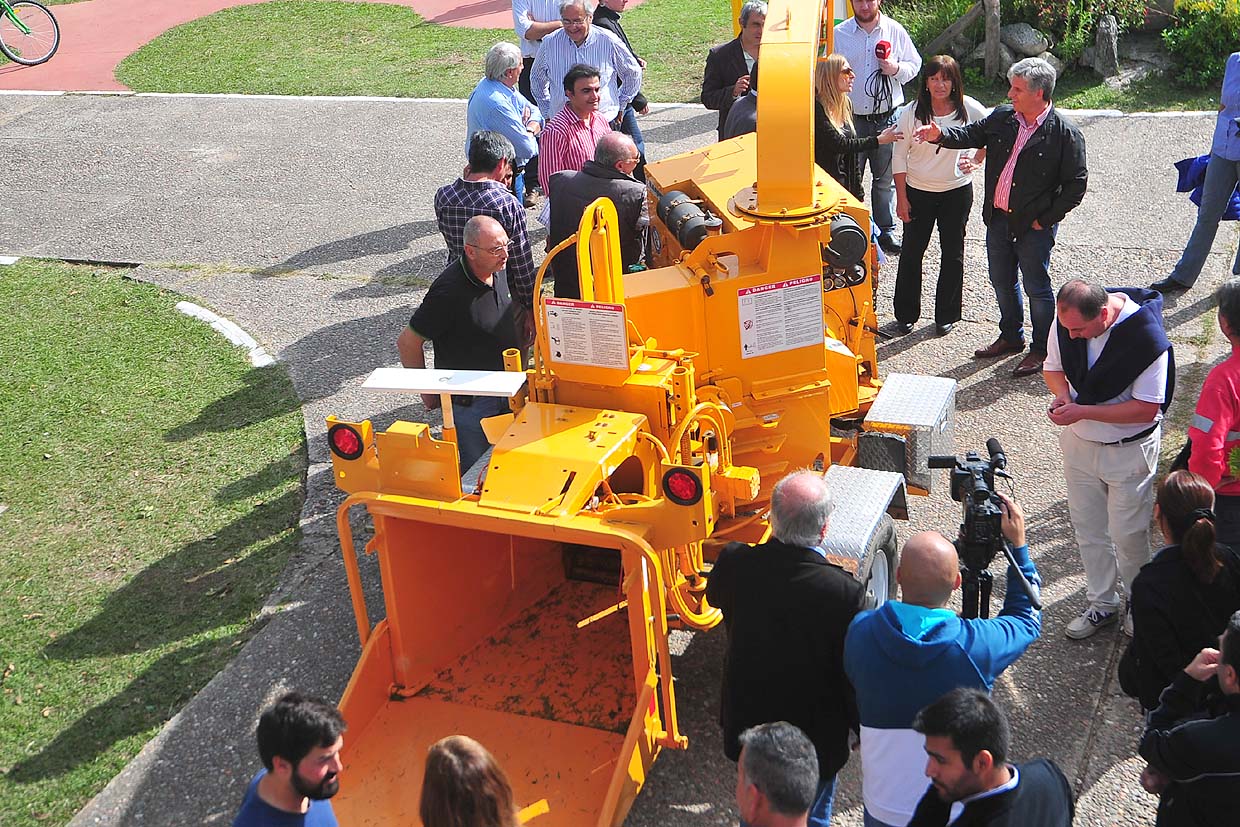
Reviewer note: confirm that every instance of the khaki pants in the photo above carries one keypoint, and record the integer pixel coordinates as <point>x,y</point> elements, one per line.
<point>1110,500</point>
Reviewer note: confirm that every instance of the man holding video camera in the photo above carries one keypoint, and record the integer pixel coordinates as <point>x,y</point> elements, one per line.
<point>906,654</point>
<point>1112,371</point>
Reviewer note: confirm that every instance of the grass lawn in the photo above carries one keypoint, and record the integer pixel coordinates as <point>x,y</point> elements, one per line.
<point>333,48</point>
<point>152,489</point>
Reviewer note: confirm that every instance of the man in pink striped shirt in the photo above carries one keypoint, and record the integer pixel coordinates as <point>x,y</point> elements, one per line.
<point>569,139</point>
<point>1035,174</point>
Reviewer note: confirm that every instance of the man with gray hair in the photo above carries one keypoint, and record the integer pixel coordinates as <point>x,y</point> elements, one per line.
<point>776,776</point>
<point>786,609</point>
<point>1035,175</point>
<point>579,42</point>
<point>496,105</point>
<point>730,65</point>
<point>609,175</point>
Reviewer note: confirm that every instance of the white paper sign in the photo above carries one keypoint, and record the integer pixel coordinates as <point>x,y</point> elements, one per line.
<point>783,315</point>
<point>587,333</point>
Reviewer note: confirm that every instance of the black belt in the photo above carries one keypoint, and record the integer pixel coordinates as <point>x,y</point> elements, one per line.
<point>877,117</point>
<point>1135,437</point>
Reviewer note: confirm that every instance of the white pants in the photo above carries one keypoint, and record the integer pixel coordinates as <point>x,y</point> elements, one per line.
<point>1110,500</point>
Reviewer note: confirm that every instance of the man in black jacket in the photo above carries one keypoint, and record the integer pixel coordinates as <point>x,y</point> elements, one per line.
<point>609,175</point>
<point>967,744</point>
<point>1035,175</point>
<point>1194,762</point>
<point>729,65</point>
<point>607,16</point>
<point>786,610</point>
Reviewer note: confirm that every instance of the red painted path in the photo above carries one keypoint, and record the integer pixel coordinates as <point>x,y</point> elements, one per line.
<point>97,35</point>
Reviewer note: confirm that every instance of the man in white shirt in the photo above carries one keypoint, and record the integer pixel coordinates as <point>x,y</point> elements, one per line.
<point>532,20</point>
<point>579,42</point>
<point>1112,372</point>
<point>876,95</point>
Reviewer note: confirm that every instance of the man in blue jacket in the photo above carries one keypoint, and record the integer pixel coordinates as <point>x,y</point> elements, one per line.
<point>907,654</point>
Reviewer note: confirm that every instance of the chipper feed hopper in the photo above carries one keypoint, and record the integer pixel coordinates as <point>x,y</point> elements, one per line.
<point>529,606</point>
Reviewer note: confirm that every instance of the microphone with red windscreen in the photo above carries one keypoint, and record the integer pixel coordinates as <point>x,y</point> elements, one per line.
<point>882,49</point>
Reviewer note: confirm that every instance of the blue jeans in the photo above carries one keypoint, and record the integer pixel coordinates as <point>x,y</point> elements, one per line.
<point>518,185</point>
<point>629,126</point>
<point>820,813</point>
<point>883,187</point>
<point>1031,255</point>
<point>471,442</point>
<point>1221,178</point>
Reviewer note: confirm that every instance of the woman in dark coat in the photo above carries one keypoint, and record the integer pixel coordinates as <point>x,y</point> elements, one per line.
<point>1182,598</point>
<point>836,145</point>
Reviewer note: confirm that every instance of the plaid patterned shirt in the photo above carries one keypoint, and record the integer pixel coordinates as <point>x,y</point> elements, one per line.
<point>461,200</point>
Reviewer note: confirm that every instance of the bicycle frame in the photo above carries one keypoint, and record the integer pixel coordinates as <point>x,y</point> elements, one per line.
<point>8,12</point>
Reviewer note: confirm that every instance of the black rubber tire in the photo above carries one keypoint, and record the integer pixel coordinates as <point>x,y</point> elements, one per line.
<point>16,46</point>
<point>882,545</point>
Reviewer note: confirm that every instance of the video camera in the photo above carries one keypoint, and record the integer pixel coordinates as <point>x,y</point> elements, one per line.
<point>981,528</point>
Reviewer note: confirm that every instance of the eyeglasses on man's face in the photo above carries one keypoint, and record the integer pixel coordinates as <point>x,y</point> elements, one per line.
<point>497,250</point>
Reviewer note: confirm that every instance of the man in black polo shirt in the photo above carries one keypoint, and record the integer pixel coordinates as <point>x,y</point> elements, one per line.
<point>470,318</point>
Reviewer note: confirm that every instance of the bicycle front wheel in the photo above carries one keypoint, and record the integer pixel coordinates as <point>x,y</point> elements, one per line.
<point>29,35</point>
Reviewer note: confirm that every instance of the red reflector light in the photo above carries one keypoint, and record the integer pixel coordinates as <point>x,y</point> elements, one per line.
<point>345,441</point>
<point>682,487</point>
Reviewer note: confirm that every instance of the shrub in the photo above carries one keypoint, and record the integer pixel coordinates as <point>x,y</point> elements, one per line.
<point>926,19</point>
<point>1202,34</point>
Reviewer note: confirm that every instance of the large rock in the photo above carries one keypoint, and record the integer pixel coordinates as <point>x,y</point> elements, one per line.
<point>1106,47</point>
<point>1055,62</point>
<point>1006,58</point>
<point>960,47</point>
<point>1024,40</point>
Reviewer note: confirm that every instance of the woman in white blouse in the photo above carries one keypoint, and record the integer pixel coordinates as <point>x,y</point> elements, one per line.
<point>934,184</point>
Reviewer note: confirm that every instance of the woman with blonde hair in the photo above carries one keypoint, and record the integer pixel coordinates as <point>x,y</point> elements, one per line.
<point>463,786</point>
<point>836,145</point>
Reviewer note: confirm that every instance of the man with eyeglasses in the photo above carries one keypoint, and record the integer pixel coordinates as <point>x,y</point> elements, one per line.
<point>885,59</point>
<point>471,319</point>
<point>576,43</point>
<point>483,189</point>
<point>608,175</point>
<point>730,66</point>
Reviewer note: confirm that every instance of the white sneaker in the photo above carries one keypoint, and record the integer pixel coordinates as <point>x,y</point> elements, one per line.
<point>1127,626</point>
<point>1090,622</point>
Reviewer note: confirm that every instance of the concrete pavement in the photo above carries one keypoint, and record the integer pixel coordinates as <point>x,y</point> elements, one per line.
<point>312,226</point>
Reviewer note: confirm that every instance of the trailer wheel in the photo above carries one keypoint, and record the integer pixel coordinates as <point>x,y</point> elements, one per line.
<point>878,573</point>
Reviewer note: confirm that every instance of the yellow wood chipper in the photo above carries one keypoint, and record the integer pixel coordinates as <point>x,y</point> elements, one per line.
<point>528,605</point>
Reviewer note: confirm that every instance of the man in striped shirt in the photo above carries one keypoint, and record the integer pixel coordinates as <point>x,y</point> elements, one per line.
<point>569,139</point>
<point>1035,175</point>
<point>581,43</point>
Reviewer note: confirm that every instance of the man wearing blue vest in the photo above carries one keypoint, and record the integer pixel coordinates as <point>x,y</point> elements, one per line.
<point>1112,372</point>
<point>906,654</point>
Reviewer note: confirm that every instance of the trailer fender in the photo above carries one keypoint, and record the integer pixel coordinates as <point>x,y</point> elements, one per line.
<point>861,536</point>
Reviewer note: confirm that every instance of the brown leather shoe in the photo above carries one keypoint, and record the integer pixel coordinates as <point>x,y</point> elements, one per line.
<point>1031,364</point>
<point>997,348</point>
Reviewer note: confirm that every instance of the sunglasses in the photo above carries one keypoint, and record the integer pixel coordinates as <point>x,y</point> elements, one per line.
<point>848,70</point>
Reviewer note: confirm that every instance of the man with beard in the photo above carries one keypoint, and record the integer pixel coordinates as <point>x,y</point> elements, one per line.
<point>299,741</point>
<point>966,747</point>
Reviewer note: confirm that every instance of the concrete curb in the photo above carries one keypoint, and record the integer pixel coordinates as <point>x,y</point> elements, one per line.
<point>259,357</point>
<point>654,107</point>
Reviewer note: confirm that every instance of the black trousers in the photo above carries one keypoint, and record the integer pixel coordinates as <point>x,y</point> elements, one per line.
<point>951,210</point>
<point>523,86</point>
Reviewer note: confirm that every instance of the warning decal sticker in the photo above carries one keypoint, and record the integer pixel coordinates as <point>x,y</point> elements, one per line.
<point>587,333</point>
<point>784,315</point>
